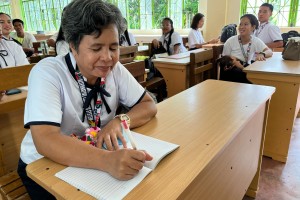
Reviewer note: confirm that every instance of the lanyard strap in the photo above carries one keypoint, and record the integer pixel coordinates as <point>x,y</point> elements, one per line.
<point>260,28</point>
<point>246,55</point>
<point>2,54</point>
<point>97,92</point>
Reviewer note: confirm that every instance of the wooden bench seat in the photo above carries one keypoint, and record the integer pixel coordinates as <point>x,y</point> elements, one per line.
<point>11,187</point>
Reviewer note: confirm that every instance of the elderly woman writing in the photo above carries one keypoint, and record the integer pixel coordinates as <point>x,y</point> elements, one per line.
<point>69,95</point>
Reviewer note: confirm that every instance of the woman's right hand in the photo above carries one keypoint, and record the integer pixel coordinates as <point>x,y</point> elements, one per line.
<point>124,164</point>
<point>155,43</point>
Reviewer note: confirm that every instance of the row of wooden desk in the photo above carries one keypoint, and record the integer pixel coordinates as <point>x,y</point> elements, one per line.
<point>220,127</point>
<point>220,133</point>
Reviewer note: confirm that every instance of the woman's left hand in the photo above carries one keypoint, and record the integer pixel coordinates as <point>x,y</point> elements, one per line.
<point>110,134</point>
<point>260,57</point>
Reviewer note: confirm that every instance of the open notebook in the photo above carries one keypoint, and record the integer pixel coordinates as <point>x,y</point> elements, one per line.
<point>101,185</point>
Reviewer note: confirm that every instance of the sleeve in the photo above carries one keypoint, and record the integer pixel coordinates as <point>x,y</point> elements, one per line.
<point>259,45</point>
<point>227,48</point>
<point>130,91</point>
<point>176,38</point>
<point>43,104</point>
<point>132,39</point>
<point>192,39</point>
<point>161,39</point>
<point>32,39</point>
<point>19,55</point>
<point>275,33</point>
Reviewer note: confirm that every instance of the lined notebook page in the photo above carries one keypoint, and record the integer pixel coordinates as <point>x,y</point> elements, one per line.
<point>158,149</point>
<point>101,185</point>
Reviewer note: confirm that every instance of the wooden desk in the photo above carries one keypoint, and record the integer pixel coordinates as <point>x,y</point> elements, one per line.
<point>285,76</point>
<point>143,51</point>
<point>219,127</point>
<point>175,71</point>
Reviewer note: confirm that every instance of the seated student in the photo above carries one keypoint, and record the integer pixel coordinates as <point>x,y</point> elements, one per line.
<point>170,41</point>
<point>267,32</point>
<point>11,53</point>
<point>127,38</point>
<point>195,37</point>
<point>52,40</point>
<point>26,39</point>
<point>83,90</point>
<point>61,46</point>
<point>244,49</point>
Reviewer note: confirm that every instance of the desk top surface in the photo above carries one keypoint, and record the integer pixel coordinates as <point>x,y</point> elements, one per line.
<point>178,59</point>
<point>275,65</point>
<point>203,120</point>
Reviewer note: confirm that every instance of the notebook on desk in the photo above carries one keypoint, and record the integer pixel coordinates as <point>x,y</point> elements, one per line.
<point>101,185</point>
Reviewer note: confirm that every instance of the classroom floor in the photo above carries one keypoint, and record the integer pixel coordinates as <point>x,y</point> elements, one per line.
<point>281,181</point>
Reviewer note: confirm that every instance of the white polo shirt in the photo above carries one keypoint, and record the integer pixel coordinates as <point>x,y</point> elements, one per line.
<point>195,37</point>
<point>268,33</point>
<point>132,40</point>
<point>11,53</point>
<point>54,99</point>
<point>27,41</point>
<point>232,48</point>
<point>175,39</point>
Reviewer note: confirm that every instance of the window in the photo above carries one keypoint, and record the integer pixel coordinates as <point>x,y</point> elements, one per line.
<point>140,14</point>
<point>5,7</point>
<point>42,15</point>
<point>148,14</point>
<point>286,12</point>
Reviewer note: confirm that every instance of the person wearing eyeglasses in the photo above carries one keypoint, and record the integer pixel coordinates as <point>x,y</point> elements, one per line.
<point>170,40</point>
<point>268,32</point>
<point>11,53</point>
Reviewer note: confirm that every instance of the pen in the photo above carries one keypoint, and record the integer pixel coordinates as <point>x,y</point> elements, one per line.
<point>128,133</point>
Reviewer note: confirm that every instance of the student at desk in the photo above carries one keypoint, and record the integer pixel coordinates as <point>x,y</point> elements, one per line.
<point>127,38</point>
<point>195,37</point>
<point>170,41</point>
<point>243,49</point>
<point>11,53</point>
<point>80,92</point>
<point>268,32</point>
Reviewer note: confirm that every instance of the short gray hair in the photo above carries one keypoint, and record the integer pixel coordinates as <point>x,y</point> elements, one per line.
<point>89,17</point>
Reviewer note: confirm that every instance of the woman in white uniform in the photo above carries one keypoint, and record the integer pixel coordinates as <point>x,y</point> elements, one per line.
<point>170,40</point>
<point>11,54</point>
<point>195,38</point>
<point>244,49</point>
<point>74,94</point>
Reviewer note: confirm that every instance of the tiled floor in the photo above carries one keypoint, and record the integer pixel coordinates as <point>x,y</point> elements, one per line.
<point>281,181</point>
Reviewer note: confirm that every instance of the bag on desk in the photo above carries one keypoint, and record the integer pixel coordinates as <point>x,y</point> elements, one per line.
<point>292,49</point>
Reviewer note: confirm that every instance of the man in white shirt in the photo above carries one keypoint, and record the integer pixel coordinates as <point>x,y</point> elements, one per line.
<point>267,32</point>
<point>24,38</point>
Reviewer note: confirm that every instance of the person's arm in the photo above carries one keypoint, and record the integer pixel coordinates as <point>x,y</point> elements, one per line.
<point>140,114</point>
<point>122,164</point>
<point>155,43</point>
<point>176,48</point>
<point>276,44</point>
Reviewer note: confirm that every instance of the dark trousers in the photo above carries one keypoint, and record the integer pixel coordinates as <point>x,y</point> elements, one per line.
<point>34,190</point>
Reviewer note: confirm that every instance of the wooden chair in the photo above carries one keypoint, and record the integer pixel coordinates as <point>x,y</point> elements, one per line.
<point>12,131</point>
<point>137,69</point>
<point>127,54</point>
<point>200,63</point>
<point>217,51</point>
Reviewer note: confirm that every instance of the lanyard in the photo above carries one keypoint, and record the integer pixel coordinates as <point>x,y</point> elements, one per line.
<point>92,117</point>
<point>260,28</point>
<point>2,54</point>
<point>97,92</point>
<point>246,55</point>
